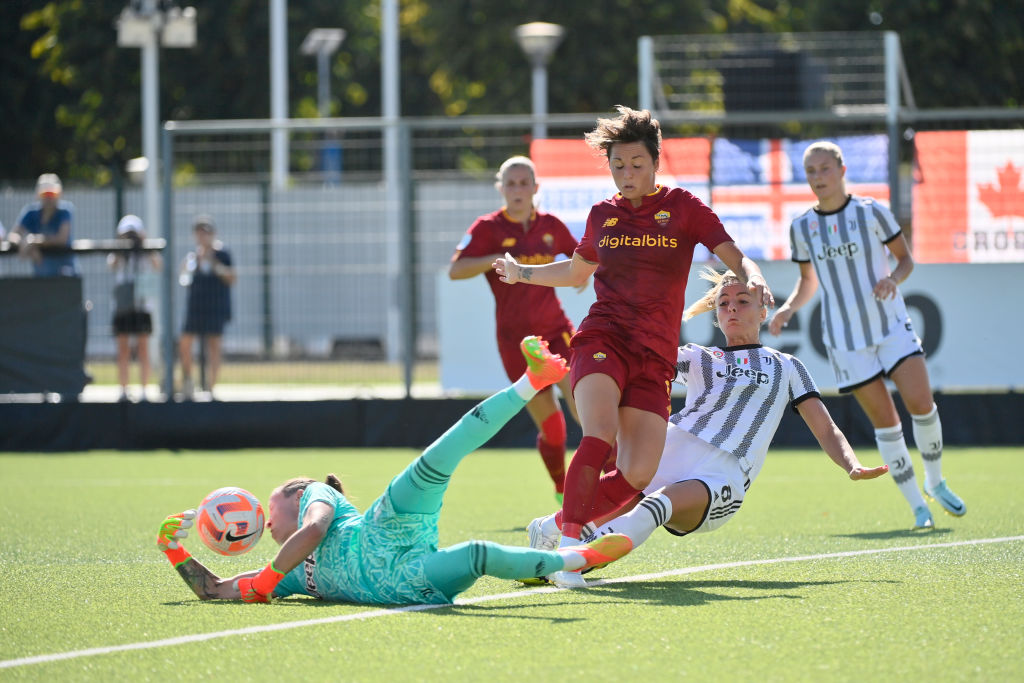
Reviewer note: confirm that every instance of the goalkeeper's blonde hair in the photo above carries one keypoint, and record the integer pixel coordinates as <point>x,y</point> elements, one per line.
<point>707,302</point>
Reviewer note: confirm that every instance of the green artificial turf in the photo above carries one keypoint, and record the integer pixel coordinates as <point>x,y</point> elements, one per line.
<point>816,578</point>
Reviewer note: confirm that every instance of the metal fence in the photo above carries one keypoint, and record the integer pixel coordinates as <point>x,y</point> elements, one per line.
<point>337,271</point>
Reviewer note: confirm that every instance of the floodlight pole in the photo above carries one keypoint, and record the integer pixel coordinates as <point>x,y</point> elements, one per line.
<point>145,25</point>
<point>278,92</point>
<point>150,126</point>
<point>323,43</point>
<point>538,40</point>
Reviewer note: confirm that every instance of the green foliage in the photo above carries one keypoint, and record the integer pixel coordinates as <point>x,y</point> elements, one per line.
<point>72,96</point>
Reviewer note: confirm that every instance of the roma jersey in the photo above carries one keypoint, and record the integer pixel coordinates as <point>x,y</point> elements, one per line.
<point>644,255</point>
<point>847,249</point>
<point>522,309</point>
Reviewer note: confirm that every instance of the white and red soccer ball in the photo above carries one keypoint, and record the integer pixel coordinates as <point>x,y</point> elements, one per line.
<point>230,521</point>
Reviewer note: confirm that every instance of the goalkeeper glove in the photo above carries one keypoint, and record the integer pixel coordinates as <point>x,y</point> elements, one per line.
<point>259,587</point>
<point>173,529</point>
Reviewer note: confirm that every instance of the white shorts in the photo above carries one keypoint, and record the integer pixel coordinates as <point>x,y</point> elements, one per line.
<point>856,368</point>
<point>686,457</point>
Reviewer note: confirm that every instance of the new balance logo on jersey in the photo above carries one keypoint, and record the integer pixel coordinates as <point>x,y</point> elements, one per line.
<point>644,241</point>
<point>609,222</point>
<point>756,375</point>
<point>846,250</point>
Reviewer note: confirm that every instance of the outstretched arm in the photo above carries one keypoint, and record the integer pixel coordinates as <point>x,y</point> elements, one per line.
<point>299,546</point>
<point>745,268</point>
<point>203,582</point>
<point>570,273</point>
<point>833,442</point>
<point>805,287</point>
<point>470,266</point>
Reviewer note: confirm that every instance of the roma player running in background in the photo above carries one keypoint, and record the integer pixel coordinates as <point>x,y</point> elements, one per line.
<point>531,236</point>
<point>841,243</point>
<point>389,554</point>
<point>639,246</point>
<point>717,444</point>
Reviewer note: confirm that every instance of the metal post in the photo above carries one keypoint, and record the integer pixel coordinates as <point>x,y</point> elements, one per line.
<point>392,176</point>
<point>151,123</point>
<point>170,279</point>
<point>540,101</point>
<point>323,83</point>
<point>278,92</point>
<point>409,259</point>
<point>892,118</point>
<point>265,263</point>
<point>645,69</point>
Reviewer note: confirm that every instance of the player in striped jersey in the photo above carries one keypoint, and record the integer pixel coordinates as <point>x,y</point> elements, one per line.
<point>716,445</point>
<point>842,244</point>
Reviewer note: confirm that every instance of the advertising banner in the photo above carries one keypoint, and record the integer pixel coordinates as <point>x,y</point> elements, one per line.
<point>962,339</point>
<point>968,197</point>
<point>757,187</point>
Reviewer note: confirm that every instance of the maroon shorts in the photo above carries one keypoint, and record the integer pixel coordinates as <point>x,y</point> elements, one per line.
<point>512,356</point>
<point>644,378</point>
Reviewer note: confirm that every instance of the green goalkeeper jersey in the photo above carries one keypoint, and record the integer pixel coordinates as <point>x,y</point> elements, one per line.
<point>373,558</point>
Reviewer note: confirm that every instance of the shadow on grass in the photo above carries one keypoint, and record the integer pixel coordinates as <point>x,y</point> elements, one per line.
<point>694,593</point>
<point>505,611</point>
<point>896,533</point>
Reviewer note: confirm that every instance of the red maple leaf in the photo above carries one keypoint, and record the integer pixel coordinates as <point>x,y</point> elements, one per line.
<point>1008,200</point>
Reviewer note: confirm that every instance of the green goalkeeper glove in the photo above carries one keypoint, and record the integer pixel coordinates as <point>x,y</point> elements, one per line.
<point>173,529</point>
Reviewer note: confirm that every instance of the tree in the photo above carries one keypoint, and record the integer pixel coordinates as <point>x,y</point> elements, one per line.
<point>72,96</point>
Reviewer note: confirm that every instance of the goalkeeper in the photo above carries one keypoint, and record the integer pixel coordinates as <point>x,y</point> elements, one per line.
<point>389,554</point>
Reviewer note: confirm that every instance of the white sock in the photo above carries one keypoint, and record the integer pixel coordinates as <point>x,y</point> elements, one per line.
<point>524,388</point>
<point>928,437</point>
<point>640,522</point>
<point>567,541</point>
<point>893,449</point>
<point>573,560</point>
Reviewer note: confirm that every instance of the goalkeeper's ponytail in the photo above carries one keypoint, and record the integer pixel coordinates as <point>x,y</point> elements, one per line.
<point>335,483</point>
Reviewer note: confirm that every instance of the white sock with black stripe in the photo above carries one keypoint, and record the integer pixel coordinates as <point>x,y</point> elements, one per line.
<point>928,437</point>
<point>893,449</point>
<point>640,522</point>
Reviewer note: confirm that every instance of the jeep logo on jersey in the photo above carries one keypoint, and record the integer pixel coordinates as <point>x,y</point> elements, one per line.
<point>600,356</point>
<point>846,250</point>
<point>735,371</point>
<point>662,217</point>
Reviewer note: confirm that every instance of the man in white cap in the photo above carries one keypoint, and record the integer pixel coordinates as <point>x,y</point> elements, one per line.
<point>46,222</point>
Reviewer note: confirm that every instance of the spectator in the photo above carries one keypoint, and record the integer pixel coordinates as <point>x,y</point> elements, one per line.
<point>46,222</point>
<point>208,274</point>
<point>132,317</point>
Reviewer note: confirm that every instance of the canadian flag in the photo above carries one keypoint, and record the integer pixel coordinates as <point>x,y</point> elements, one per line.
<point>969,197</point>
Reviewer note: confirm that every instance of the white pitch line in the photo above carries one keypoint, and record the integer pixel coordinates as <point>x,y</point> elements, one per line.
<point>199,637</point>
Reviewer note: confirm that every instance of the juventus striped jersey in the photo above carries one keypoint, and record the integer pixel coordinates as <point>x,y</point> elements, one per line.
<point>735,396</point>
<point>847,248</point>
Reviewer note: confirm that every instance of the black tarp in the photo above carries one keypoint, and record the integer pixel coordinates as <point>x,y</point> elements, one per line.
<point>42,336</point>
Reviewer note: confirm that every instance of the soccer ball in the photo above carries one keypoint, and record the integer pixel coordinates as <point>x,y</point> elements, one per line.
<point>230,521</point>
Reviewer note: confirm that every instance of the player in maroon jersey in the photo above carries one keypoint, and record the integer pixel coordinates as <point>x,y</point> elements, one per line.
<point>639,246</point>
<point>535,237</point>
